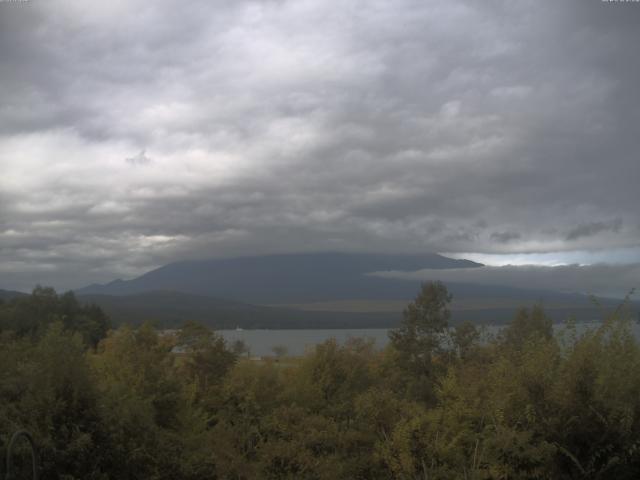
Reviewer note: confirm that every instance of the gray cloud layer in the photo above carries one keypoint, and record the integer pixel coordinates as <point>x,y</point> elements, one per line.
<point>132,134</point>
<point>594,228</point>
<point>598,279</point>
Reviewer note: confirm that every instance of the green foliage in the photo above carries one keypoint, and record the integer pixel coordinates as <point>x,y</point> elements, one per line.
<point>31,315</point>
<point>207,358</point>
<point>421,339</point>
<point>465,337</point>
<point>527,325</point>
<point>437,403</point>
<point>46,387</point>
<point>333,374</point>
<point>425,323</point>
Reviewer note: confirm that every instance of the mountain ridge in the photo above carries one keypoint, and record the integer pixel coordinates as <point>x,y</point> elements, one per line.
<point>297,291</point>
<point>282,277</point>
<point>171,309</point>
<point>9,294</point>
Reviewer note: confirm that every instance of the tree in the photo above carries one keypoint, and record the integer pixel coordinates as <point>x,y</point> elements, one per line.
<point>421,335</point>
<point>47,389</point>
<point>332,376</point>
<point>207,360</point>
<point>464,337</point>
<point>527,325</point>
<point>31,316</point>
<point>279,351</point>
<point>239,347</point>
<point>153,429</point>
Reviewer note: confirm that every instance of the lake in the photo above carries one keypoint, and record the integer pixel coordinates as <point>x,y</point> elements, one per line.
<point>297,342</point>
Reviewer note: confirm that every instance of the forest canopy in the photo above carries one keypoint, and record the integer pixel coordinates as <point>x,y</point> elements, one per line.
<point>437,402</point>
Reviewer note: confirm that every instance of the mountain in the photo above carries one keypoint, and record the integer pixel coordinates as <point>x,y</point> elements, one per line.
<point>171,309</point>
<point>324,290</point>
<point>9,294</point>
<point>284,278</point>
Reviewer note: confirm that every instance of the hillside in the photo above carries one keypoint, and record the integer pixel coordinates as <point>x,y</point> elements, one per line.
<point>327,290</point>
<point>9,294</point>
<point>171,309</point>
<point>284,278</point>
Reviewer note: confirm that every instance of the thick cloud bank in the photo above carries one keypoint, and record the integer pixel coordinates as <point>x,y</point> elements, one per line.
<point>135,133</point>
<point>604,280</point>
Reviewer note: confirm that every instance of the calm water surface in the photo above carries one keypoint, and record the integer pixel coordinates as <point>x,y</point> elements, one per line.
<point>297,342</point>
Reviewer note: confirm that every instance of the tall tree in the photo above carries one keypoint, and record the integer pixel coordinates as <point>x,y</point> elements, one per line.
<point>421,336</point>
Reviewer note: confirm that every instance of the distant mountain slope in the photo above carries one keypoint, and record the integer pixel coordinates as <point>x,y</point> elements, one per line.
<point>284,278</point>
<point>9,294</point>
<point>302,291</point>
<point>171,309</point>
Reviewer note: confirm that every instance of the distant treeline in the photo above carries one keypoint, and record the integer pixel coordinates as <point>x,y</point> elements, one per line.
<point>437,403</point>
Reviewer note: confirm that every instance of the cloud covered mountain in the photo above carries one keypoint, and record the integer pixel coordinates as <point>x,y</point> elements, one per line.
<point>285,278</point>
<point>262,127</point>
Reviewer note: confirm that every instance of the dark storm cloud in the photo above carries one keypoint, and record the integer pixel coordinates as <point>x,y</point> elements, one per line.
<point>493,127</point>
<point>505,237</point>
<point>593,228</point>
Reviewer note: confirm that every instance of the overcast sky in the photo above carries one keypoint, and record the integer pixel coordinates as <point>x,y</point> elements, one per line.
<point>135,133</point>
